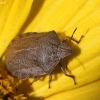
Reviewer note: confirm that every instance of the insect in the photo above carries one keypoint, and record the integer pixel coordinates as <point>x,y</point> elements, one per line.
<point>34,54</point>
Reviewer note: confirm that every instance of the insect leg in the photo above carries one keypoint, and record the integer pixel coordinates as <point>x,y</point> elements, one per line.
<point>35,79</point>
<point>50,78</point>
<point>63,70</point>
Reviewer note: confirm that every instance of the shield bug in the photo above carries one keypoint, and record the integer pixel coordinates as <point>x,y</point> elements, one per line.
<point>33,54</point>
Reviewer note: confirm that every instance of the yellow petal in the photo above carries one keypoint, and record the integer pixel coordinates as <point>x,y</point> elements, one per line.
<point>86,92</point>
<point>13,15</point>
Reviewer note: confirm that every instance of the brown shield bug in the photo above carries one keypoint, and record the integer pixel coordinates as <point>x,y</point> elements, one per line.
<point>33,54</point>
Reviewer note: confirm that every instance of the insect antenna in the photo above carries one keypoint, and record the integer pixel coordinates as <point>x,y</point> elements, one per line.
<point>77,41</point>
<point>73,33</point>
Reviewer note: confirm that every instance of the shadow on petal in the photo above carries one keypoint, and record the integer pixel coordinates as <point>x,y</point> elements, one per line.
<point>37,4</point>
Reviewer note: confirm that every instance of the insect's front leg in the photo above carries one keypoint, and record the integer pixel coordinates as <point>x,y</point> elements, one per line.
<point>63,70</point>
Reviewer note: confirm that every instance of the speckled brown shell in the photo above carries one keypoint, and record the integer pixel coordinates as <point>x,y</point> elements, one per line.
<point>35,54</point>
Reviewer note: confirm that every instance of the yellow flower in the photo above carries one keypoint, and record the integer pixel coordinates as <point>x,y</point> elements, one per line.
<point>63,16</point>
